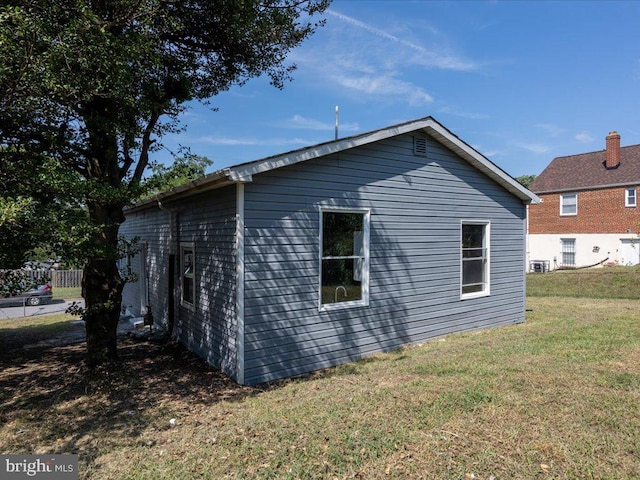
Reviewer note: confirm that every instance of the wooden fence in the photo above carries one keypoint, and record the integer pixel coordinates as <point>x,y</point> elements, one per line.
<point>58,278</point>
<point>66,278</point>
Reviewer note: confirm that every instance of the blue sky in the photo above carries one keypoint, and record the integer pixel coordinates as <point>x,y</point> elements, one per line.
<point>522,82</point>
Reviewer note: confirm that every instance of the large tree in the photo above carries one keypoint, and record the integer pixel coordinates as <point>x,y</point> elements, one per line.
<point>89,87</point>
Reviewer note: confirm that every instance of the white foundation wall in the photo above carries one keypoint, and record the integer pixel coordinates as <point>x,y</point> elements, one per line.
<point>590,249</point>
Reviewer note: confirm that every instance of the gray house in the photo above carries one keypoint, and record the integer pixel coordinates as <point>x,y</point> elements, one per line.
<point>320,256</point>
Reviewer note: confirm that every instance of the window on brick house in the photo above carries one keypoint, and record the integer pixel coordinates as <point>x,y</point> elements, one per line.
<point>569,204</point>
<point>630,197</point>
<point>568,250</point>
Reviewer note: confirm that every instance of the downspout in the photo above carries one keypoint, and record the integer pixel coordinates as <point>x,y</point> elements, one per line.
<point>240,178</point>
<point>240,231</point>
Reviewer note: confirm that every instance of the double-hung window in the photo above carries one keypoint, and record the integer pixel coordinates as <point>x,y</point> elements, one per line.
<point>344,258</point>
<point>630,197</point>
<point>569,204</point>
<point>187,272</point>
<point>475,259</point>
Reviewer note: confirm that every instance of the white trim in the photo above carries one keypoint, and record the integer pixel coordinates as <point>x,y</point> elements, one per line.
<point>183,303</point>
<point>627,203</point>
<point>364,301</point>
<point>428,125</point>
<point>486,291</point>
<point>562,213</point>
<point>240,281</point>
<point>144,278</point>
<point>566,241</point>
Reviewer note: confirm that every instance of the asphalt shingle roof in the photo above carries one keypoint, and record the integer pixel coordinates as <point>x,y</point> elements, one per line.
<point>587,170</point>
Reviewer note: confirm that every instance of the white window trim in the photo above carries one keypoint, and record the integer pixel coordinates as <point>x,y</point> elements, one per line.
<point>564,241</point>
<point>187,246</point>
<point>627,203</point>
<point>487,240</point>
<point>562,214</point>
<point>364,301</point>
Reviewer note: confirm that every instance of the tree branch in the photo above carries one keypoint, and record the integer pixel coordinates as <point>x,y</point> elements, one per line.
<point>143,161</point>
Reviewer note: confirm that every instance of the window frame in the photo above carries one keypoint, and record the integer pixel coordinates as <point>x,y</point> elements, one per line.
<point>486,247</point>
<point>567,241</point>
<point>562,205</point>
<point>364,301</point>
<point>627,197</point>
<point>188,303</point>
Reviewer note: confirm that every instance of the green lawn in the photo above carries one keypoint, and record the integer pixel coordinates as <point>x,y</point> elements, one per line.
<point>557,397</point>
<point>607,282</point>
<point>67,293</point>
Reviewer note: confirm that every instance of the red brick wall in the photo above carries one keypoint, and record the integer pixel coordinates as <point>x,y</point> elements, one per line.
<point>599,211</point>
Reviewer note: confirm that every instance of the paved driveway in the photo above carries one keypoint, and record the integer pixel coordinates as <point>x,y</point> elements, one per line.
<point>55,306</point>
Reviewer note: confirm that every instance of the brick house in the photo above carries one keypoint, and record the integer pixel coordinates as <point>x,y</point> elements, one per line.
<point>589,213</point>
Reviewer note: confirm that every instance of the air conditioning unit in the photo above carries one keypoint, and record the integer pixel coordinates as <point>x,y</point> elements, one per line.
<point>539,266</point>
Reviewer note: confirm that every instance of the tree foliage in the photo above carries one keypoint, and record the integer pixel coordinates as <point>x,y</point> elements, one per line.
<point>183,170</point>
<point>526,180</point>
<point>89,87</point>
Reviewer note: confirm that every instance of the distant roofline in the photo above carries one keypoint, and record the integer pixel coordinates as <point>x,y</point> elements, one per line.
<point>591,153</point>
<point>588,187</point>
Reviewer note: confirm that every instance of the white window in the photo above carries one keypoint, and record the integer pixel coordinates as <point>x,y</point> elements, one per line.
<point>187,275</point>
<point>568,250</point>
<point>475,259</point>
<point>630,197</point>
<point>569,204</point>
<point>344,258</point>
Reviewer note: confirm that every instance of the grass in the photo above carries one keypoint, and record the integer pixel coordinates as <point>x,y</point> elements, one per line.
<point>17,332</point>
<point>67,293</point>
<point>608,282</point>
<point>557,397</point>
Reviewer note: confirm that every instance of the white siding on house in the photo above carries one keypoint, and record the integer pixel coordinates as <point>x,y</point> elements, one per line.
<point>591,249</point>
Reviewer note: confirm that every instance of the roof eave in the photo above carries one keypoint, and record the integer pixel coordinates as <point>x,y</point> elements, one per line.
<point>243,173</point>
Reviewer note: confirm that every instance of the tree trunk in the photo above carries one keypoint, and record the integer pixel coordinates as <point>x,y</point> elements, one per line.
<point>102,286</point>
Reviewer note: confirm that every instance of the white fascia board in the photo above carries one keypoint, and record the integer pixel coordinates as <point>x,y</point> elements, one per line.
<point>328,148</point>
<point>428,125</point>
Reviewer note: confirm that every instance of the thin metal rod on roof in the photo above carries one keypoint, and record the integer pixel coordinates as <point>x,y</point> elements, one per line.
<point>337,121</point>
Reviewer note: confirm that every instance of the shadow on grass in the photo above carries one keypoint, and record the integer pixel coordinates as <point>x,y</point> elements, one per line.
<point>51,403</point>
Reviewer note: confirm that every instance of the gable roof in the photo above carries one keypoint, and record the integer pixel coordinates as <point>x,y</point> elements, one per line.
<point>244,172</point>
<point>586,171</point>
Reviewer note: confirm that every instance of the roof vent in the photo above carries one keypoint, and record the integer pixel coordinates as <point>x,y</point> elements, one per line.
<point>420,146</point>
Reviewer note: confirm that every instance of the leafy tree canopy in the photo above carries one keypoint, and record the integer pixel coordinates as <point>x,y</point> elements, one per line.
<point>526,180</point>
<point>183,170</point>
<point>89,87</point>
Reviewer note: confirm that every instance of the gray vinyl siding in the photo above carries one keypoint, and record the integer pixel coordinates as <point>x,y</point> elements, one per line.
<point>208,222</point>
<point>209,328</point>
<point>151,227</point>
<point>416,212</point>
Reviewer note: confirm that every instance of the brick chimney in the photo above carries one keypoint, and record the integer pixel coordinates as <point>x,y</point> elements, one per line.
<point>613,150</point>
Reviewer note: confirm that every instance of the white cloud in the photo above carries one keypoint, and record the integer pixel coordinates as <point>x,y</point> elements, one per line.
<point>386,85</point>
<point>463,114</point>
<point>551,129</point>
<point>425,57</point>
<point>298,121</point>
<point>247,141</point>
<point>534,147</point>
<point>584,137</point>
